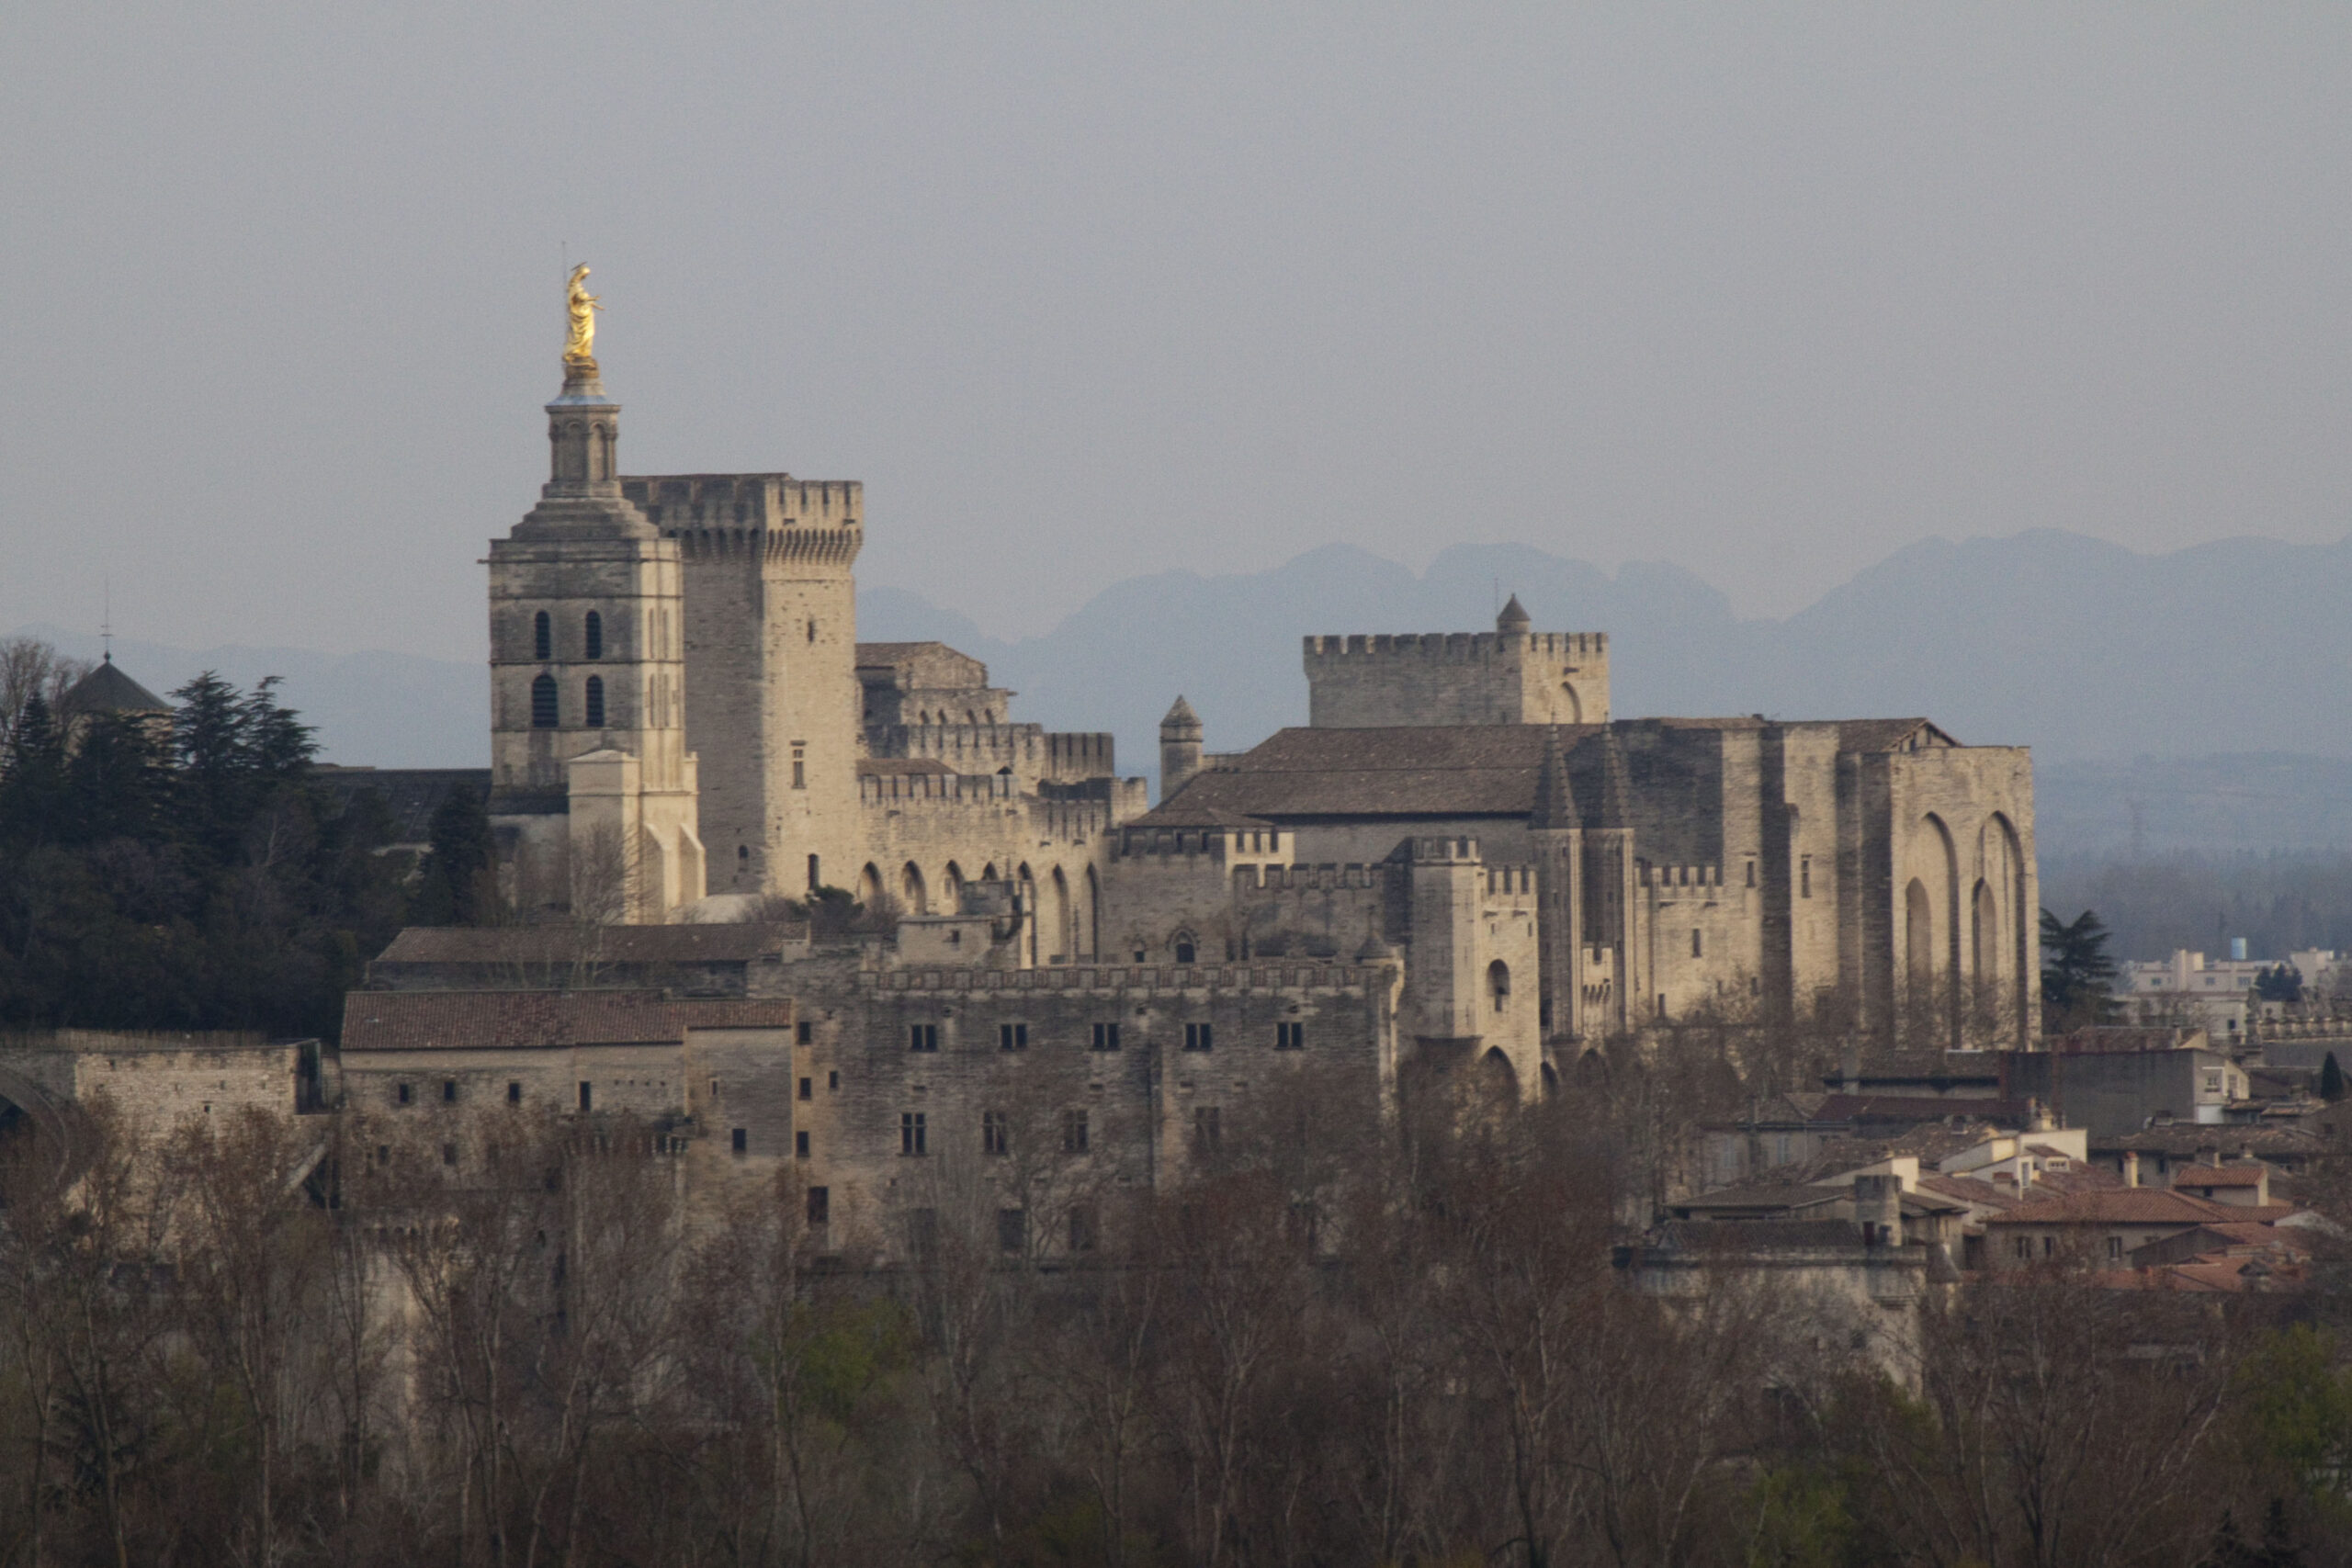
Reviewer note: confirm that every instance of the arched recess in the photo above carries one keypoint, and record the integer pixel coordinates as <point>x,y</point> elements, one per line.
<point>951,890</point>
<point>1918,936</point>
<point>1027,887</point>
<point>2019,922</point>
<point>1983,936</point>
<point>988,872</point>
<point>1092,919</point>
<point>1060,936</point>
<point>1551,1081</point>
<point>1497,1077</point>
<point>1499,985</point>
<point>910,890</point>
<point>1575,706</point>
<point>869,885</point>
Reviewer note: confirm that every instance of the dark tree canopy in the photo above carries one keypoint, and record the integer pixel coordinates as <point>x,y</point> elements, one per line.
<point>2077,975</point>
<point>184,876</point>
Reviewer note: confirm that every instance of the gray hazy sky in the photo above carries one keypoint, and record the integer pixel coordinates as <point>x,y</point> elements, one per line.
<point>1082,292</point>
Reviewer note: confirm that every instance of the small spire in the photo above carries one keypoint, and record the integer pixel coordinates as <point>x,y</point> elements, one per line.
<point>1181,719</point>
<point>1555,802</point>
<point>1616,784</point>
<point>1514,617</point>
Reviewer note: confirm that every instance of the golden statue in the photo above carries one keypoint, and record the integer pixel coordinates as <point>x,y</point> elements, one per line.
<point>580,347</point>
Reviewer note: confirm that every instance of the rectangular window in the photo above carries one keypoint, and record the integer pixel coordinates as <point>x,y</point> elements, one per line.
<point>742,1140</point>
<point>800,1146</point>
<point>1751,873</point>
<point>923,1037</point>
<point>808,1088</point>
<point>2114,1247</point>
<point>587,1096</point>
<point>2049,1246</point>
<point>832,1080</point>
<point>1698,943</point>
<point>1198,1037</point>
<point>1012,1037</point>
<point>1290,1037</point>
<point>799,765</point>
<point>1082,1229</point>
<point>448,1091</point>
<point>1012,1230</point>
<point>449,1154</point>
<point>1209,1129</point>
<point>1106,1037</point>
<point>821,1206</point>
<point>2024,1248</point>
<point>1073,1132</point>
<point>804,1033</point>
<point>1804,876</point>
<point>514,1092</point>
<point>996,1133</point>
<point>911,1138</point>
<point>402,1094</point>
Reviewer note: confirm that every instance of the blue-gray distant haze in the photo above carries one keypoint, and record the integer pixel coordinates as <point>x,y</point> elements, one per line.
<point>1089,293</point>
<point>2126,673</point>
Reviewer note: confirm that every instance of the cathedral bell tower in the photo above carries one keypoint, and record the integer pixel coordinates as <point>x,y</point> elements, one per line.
<point>592,788</point>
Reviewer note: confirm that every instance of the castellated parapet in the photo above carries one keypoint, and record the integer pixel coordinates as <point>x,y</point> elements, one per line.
<point>1028,753</point>
<point>1505,676</point>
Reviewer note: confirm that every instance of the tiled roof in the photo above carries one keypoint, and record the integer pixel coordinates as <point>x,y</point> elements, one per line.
<point>1766,1195</point>
<point>1182,813</point>
<point>1968,1190</point>
<point>2186,1138</point>
<point>444,1021</point>
<point>2117,1206</point>
<point>598,944</point>
<point>2104,1039</point>
<point>1914,1107</point>
<point>2220,1176</point>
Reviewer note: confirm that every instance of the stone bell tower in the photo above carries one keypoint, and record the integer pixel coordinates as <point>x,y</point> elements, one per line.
<point>593,792</point>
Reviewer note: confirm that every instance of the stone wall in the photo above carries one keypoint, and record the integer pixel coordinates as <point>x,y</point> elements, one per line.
<point>1457,677</point>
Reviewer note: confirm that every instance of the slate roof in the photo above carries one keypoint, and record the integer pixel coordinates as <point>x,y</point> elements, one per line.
<point>108,690</point>
<point>607,944</point>
<point>1482,769</point>
<point>1915,1108</point>
<point>445,1020</point>
<point>411,795</point>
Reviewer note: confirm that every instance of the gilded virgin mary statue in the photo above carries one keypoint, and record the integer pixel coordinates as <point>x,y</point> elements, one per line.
<point>580,347</point>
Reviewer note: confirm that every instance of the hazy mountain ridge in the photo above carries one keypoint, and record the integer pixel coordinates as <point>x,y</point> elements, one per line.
<point>2087,651</point>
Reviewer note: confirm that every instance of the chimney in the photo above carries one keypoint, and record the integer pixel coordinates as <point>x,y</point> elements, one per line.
<point>1849,1066</point>
<point>2130,1168</point>
<point>1877,1205</point>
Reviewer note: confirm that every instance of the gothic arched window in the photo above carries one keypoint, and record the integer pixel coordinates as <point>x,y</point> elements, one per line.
<point>596,702</point>
<point>543,713</point>
<point>595,636</point>
<point>542,637</point>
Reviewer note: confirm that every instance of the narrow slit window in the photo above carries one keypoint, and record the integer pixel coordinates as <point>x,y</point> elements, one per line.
<point>542,637</point>
<point>592,639</point>
<point>596,702</point>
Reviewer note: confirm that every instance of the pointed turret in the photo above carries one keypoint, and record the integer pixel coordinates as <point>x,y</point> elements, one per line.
<point>1514,617</point>
<point>1616,785</point>
<point>1555,802</point>
<point>1180,749</point>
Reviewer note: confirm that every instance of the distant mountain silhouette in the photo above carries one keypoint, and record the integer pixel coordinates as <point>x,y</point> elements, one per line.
<point>2088,652</point>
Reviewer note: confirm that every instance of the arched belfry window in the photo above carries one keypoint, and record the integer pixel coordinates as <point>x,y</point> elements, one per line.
<point>542,637</point>
<point>543,713</point>
<point>595,636</point>
<point>596,702</point>
<point>1498,984</point>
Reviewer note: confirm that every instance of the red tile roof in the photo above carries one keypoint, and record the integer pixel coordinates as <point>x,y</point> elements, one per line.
<point>450,1020</point>
<point>2219,1176</point>
<point>2119,1206</point>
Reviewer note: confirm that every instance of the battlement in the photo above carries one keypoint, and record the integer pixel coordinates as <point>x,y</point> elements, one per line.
<point>1326,877</point>
<point>833,546</point>
<point>1218,843</point>
<point>1030,749</point>
<point>1458,647</point>
<point>904,789</point>
<point>1272,976</point>
<point>1509,881</point>
<point>1648,876</point>
<point>697,502</point>
<point>1445,851</point>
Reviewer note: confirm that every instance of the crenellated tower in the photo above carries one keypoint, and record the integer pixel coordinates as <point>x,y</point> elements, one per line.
<point>773,696</point>
<point>592,787</point>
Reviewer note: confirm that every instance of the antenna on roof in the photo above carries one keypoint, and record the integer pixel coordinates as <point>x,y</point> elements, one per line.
<point>106,618</point>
